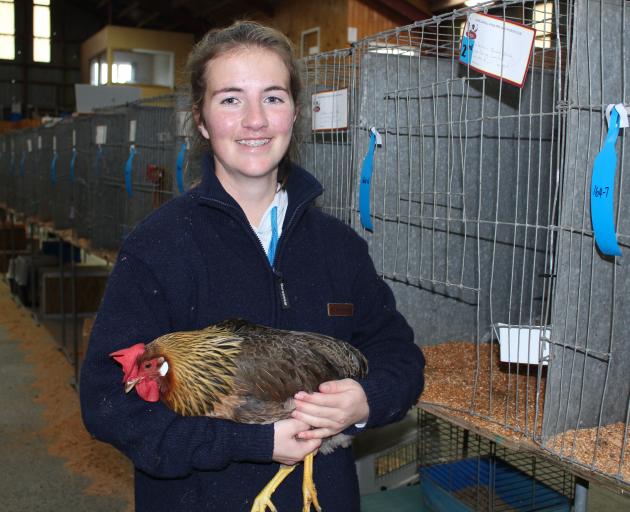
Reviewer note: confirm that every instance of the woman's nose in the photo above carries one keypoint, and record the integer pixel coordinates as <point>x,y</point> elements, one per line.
<point>255,117</point>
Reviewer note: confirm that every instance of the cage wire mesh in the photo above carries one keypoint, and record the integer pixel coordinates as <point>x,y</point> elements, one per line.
<point>47,160</point>
<point>62,178</point>
<point>461,470</point>
<point>480,208</point>
<point>111,151</point>
<point>84,179</point>
<point>151,131</point>
<point>327,153</point>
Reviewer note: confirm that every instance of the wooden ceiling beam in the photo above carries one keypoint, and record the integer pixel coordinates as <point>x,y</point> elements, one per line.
<point>405,9</point>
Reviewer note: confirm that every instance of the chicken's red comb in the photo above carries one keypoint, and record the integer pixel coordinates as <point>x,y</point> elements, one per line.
<point>127,357</point>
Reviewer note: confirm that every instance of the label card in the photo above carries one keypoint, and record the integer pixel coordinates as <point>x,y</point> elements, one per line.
<point>29,145</point>
<point>101,134</point>
<point>330,110</point>
<point>132,130</point>
<point>39,142</point>
<point>500,49</point>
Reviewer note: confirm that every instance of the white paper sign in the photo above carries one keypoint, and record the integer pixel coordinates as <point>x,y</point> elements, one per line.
<point>101,134</point>
<point>497,48</point>
<point>54,143</point>
<point>330,110</point>
<point>74,138</point>
<point>132,130</point>
<point>29,145</point>
<point>39,142</point>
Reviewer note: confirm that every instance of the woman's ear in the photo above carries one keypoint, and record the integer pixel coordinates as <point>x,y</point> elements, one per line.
<point>199,123</point>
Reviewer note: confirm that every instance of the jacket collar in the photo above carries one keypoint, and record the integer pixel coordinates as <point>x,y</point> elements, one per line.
<point>302,187</point>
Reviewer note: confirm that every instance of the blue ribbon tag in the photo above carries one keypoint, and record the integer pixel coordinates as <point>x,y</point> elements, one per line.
<point>72,164</point>
<point>365,187</point>
<point>180,167</point>
<point>22,161</point>
<point>53,168</point>
<point>128,169</point>
<point>603,189</point>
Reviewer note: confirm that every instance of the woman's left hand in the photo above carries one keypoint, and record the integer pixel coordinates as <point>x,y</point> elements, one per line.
<point>338,405</point>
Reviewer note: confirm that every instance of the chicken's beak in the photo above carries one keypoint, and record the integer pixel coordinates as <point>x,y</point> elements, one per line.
<point>130,384</point>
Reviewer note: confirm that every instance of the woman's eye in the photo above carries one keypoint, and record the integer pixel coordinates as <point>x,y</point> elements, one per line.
<point>229,101</point>
<point>274,99</point>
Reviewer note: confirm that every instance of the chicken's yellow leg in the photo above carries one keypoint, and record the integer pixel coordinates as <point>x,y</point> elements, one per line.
<point>263,500</point>
<point>309,492</point>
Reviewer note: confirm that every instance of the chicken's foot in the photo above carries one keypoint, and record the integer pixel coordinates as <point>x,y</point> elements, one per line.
<point>263,500</point>
<point>309,492</point>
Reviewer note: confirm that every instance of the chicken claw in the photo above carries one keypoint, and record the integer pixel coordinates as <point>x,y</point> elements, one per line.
<point>309,492</point>
<point>263,500</point>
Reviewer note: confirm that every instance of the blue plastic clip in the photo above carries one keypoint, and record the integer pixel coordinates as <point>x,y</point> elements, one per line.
<point>180,167</point>
<point>53,168</point>
<point>128,171</point>
<point>603,189</point>
<point>365,186</point>
<point>72,164</point>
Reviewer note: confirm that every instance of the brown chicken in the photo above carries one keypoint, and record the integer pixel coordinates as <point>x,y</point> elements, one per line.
<point>243,372</point>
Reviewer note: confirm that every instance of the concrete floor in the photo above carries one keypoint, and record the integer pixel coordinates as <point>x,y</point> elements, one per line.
<point>33,480</point>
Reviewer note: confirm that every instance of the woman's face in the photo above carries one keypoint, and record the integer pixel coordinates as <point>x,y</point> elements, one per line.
<point>248,112</point>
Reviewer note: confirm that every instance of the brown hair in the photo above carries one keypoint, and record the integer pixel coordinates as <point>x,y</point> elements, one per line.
<point>220,41</point>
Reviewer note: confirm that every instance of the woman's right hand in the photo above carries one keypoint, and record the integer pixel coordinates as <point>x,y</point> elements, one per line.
<point>287,448</point>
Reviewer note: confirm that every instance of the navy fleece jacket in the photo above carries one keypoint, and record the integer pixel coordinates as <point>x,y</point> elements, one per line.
<point>196,261</point>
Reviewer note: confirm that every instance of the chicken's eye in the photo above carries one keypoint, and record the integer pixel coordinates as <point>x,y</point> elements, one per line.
<point>147,365</point>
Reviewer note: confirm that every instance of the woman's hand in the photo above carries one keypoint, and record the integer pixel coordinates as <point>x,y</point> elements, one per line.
<point>287,448</point>
<point>338,405</point>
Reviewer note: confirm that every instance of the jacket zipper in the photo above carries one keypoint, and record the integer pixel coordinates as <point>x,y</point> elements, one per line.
<point>277,275</point>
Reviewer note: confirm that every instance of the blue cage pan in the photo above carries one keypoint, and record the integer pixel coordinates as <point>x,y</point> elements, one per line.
<point>484,483</point>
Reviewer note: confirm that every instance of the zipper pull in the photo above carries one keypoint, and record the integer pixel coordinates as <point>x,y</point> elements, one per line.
<point>284,298</point>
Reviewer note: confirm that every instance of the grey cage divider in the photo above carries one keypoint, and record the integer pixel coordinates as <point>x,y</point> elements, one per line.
<point>62,183</point>
<point>587,401</point>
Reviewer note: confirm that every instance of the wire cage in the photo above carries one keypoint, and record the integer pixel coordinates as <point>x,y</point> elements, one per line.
<point>84,176</point>
<point>326,150</point>
<point>47,162</point>
<point>17,200</point>
<point>150,166</point>
<point>461,470</point>
<point>62,176</point>
<point>110,153</point>
<point>480,220</point>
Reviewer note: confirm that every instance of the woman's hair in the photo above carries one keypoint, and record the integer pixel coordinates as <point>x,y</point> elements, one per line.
<point>241,34</point>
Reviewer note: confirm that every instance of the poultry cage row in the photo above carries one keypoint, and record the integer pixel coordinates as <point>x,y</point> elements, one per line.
<point>477,211</point>
<point>97,174</point>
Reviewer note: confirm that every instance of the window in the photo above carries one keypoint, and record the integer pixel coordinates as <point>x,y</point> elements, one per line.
<point>98,70</point>
<point>7,29</point>
<point>543,24</point>
<point>123,73</point>
<point>41,30</point>
<point>140,66</point>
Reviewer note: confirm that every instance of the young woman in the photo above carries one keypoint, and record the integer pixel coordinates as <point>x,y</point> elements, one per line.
<point>246,243</point>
